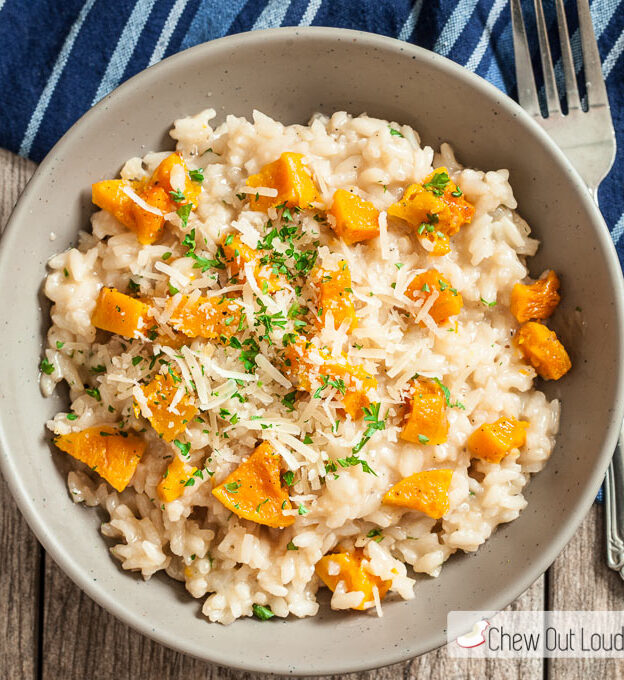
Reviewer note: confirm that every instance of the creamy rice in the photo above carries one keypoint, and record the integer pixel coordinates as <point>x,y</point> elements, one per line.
<point>233,563</point>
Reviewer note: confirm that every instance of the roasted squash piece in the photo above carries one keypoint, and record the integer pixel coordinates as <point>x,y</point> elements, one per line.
<point>110,195</point>
<point>168,421</point>
<point>353,574</point>
<point>162,178</point>
<point>254,490</point>
<point>295,187</point>
<point>493,441</point>
<point>171,486</point>
<point>536,300</point>
<point>335,295</point>
<point>435,210</point>
<point>119,313</point>
<point>313,370</point>
<point>207,317</point>
<point>237,254</point>
<point>542,349</point>
<point>449,301</point>
<point>356,220</point>
<point>354,403</point>
<point>427,491</point>
<point>426,421</point>
<point>112,453</point>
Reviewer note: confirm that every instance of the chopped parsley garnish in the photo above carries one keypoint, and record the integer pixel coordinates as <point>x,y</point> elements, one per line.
<point>457,193</point>
<point>423,439</point>
<point>183,213</point>
<point>373,425</point>
<point>351,461</point>
<point>338,383</point>
<point>136,360</point>
<point>375,534</point>
<point>94,392</point>
<point>197,175</point>
<point>133,286</point>
<point>263,613</point>
<point>291,546</point>
<point>71,416</point>
<point>184,447</point>
<point>59,345</point>
<point>425,288</point>
<point>46,366</point>
<point>98,369</point>
<point>302,510</point>
<point>288,477</point>
<point>395,133</point>
<point>266,500</point>
<point>289,400</point>
<point>438,183</point>
<point>177,196</point>
<point>232,487</point>
<point>307,439</point>
<point>488,304</point>
<point>166,256</point>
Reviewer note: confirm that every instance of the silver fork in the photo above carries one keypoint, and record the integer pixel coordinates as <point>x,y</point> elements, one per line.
<point>587,138</point>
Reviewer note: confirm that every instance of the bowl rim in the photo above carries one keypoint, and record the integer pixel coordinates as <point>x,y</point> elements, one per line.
<point>34,513</point>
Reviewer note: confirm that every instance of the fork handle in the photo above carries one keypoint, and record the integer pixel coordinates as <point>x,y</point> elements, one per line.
<point>614,509</point>
<point>614,483</point>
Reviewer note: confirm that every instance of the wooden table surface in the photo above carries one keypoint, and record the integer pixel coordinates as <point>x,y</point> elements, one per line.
<point>50,630</point>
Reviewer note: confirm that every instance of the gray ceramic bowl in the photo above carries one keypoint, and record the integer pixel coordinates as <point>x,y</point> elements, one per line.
<point>289,74</point>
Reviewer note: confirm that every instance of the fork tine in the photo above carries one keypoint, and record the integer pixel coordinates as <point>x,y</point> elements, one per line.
<point>527,91</point>
<point>572,93</point>
<point>596,90</point>
<point>550,84</point>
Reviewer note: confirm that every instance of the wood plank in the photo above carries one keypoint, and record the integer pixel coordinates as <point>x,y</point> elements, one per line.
<point>580,579</point>
<point>20,554</point>
<point>81,640</point>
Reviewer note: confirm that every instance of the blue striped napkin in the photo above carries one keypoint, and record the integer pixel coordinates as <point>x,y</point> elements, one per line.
<point>60,58</point>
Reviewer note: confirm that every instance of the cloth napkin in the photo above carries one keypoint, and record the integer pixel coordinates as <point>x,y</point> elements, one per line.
<point>60,57</point>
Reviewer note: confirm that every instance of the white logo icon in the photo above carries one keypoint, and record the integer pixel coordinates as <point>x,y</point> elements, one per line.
<point>475,637</point>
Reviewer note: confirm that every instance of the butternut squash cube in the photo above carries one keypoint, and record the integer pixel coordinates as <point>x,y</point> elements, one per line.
<point>356,219</point>
<point>162,178</point>
<point>109,195</point>
<point>348,568</point>
<point>112,453</point>
<point>209,318</point>
<point>254,490</point>
<point>119,313</point>
<point>355,402</point>
<point>435,210</point>
<point>426,421</point>
<point>295,187</point>
<point>172,485</point>
<point>168,421</point>
<point>335,295</point>
<point>493,441</point>
<point>448,302</point>
<point>536,300</point>
<point>156,192</point>
<point>237,254</point>
<point>427,491</point>
<point>542,349</point>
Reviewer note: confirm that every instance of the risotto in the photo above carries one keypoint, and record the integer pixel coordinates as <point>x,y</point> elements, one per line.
<point>301,357</point>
